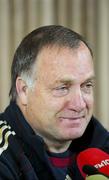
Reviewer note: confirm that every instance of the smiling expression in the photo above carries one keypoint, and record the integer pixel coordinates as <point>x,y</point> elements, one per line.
<point>60,105</point>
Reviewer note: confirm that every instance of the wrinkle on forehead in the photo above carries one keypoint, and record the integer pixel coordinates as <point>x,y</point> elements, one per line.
<point>59,61</point>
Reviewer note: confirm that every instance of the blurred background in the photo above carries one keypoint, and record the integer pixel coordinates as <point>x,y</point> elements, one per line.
<point>90,18</point>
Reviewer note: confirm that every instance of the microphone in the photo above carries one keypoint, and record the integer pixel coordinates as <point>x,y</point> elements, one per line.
<point>96,177</point>
<point>93,161</point>
<point>91,170</point>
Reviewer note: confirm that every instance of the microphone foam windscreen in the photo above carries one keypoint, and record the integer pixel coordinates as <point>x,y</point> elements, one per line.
<point>93,157</point>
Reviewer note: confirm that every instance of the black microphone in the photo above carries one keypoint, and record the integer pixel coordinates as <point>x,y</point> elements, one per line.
<point>91,170</point>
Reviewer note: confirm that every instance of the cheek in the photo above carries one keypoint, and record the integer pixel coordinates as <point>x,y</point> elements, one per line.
<point>89,101</point>
<point>48,102</point>
<point>45,105</point>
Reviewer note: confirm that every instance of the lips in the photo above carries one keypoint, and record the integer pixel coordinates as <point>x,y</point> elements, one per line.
<point>73,118</point>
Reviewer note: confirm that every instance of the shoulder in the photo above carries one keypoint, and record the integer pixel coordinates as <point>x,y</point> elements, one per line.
<point>100,134</point>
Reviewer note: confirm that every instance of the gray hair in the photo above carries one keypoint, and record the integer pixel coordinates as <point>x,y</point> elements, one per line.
<point>28,50</point>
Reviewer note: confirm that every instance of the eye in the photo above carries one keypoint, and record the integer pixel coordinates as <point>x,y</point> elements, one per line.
<point>61,91</point>
<point>88,87</point>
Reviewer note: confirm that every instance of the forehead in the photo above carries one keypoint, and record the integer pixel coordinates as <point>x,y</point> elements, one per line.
<point>61,61</point>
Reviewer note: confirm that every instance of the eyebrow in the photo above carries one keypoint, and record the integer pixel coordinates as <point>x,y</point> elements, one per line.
<point>93,78</point>
<point>70,81</point>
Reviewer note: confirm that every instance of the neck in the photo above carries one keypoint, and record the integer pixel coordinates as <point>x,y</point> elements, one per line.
<point>57,147</point>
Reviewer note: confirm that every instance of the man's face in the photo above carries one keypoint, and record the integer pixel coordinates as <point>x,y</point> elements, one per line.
<point>60,105</point>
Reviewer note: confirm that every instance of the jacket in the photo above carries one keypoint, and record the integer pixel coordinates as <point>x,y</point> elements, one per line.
<point>23,154</point>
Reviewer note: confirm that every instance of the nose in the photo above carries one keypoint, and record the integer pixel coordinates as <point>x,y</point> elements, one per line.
<point>76,101</point>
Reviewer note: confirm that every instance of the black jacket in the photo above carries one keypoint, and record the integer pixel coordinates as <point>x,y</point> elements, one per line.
<point>22,152</point>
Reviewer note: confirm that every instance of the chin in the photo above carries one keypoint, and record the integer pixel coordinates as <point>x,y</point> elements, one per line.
<point>74,134</point>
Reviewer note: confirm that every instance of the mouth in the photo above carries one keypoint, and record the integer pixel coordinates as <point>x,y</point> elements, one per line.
<point>72,122</point>
<point>73,118</point>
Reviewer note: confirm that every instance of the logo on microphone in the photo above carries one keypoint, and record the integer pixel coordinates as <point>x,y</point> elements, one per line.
<point>102,163</point>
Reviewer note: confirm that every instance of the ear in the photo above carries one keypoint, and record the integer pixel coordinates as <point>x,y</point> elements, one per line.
<point>22,90</point>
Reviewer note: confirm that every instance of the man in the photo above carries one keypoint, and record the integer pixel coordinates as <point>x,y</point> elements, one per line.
<point>49,119</point>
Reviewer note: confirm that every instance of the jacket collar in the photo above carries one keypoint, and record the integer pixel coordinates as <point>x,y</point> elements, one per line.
<point>23,130</point>
<point>95,135</point>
